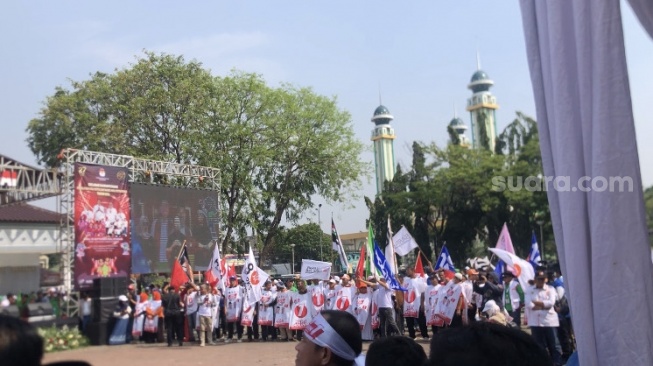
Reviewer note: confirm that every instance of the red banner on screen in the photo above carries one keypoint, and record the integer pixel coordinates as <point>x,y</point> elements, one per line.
<point>102,217</point>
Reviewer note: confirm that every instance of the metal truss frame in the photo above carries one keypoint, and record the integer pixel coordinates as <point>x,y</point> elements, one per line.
<point>139,171</point>
<point>31,183</point>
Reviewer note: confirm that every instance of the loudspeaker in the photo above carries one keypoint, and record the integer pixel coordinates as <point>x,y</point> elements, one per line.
<point>103,287</point>
<point>102,309</point>
<point>98,333</point>
<point>40,309</point>
<point>120,286</point>
<point>10,311</point>
<point>109,286</point>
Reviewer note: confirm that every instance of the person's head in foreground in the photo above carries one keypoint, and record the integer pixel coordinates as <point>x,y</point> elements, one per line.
<point>20,344</point>
<point>395,351</point>
<point>486,344</point>
<point>331,338</point>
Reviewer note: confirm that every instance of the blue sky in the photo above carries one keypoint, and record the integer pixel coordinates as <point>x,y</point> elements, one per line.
<point>421,56</point>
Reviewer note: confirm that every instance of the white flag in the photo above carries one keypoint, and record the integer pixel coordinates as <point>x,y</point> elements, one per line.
<point>214,264</point>
<point>404,242</point>
<point>520,268</point>
<point>390,250</point>
<point>315,270</point>
<point>253,278</point>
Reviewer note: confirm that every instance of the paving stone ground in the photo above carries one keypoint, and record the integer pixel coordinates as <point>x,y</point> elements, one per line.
<point>251,354</point>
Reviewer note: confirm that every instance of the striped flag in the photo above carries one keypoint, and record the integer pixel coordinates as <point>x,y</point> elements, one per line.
<point>534,257</point>
<point>336,244</point>
<point>370,268</point>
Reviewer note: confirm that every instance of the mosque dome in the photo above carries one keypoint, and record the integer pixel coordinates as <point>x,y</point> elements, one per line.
<point>382,115</point>
<point>480,82</point>
<point>458,125</point>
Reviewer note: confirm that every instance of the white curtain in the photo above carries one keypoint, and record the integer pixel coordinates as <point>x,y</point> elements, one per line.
<point>580,82</point>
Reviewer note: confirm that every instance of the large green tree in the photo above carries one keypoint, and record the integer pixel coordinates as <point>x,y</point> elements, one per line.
<point>277,147</point>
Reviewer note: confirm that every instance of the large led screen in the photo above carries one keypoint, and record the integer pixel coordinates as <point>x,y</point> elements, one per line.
<point>101,223</point>
<point>164,218</point>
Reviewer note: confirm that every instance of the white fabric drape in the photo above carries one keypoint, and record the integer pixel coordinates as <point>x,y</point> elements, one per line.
<point>578,70</point>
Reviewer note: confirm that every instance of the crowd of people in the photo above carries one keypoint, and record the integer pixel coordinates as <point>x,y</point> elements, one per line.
<point>22,301</point>
<point>206,314</point>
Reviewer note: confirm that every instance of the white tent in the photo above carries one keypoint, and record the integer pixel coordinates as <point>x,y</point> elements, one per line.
<point>578,70</point>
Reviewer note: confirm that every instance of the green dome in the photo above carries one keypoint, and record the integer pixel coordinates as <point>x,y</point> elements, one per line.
<point>480,82</point>
<point>382,116</point>
<point>479,75</point>
<point>380,110</point>
<point>456,122</point>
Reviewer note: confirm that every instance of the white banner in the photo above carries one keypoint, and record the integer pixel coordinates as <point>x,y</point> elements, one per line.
<point>247,317</point>
<point>282,309</point>
<point>448,297</point>
<point>253,278</point>
<point>300,315</point>
<point>404,242</point>
<point>362,308</point>
<point>315,270</point>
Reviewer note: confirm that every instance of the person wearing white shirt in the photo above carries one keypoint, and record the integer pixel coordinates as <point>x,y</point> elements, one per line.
<point>191,309</point>
<point>206,302</point>
<point>386,307</point>
<point>542,318</point>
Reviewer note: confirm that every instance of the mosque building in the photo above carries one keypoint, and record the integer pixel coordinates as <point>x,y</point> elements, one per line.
<point>482,107</point>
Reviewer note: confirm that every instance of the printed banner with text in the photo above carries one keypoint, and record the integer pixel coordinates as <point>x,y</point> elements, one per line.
<point>315,270</point>
<point>102,217</point>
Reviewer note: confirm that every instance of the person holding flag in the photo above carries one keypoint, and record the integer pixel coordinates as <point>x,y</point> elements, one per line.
<point>173,311</point>
<point>207,302</point>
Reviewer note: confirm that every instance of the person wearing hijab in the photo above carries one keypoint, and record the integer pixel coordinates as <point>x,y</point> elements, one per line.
<point>121,316</point>
<point>494,313</point>
<point>139,316</point>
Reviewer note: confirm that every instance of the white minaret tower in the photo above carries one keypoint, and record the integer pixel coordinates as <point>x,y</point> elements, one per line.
<point>482,107</point>
<point>384,154</point>
<point>459,129</point>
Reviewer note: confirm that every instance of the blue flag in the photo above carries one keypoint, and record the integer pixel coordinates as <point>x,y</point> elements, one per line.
<point>383,267</point>
<point>444,261</point>
<point>500,268</point>
<point>534,257</point>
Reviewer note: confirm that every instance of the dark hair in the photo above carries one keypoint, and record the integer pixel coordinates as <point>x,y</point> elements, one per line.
<point>486,344</point>
<point>20,344</point>
<point>348,328</point>
<point>395,350</point>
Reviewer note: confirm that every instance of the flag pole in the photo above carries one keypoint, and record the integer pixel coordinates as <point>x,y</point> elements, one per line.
<point>426,259</point>
<point>183,245</point>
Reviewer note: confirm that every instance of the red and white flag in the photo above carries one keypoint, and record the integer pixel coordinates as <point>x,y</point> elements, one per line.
<point>214,273</point>
<point>253,278</point>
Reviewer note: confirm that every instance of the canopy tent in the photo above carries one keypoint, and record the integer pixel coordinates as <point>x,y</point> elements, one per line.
<point>578,70</point>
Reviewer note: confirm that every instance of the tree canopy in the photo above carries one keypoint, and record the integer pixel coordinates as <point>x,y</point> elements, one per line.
<point>449,195</point>
<point>277,147</point>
